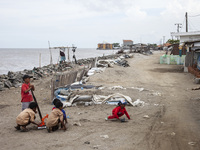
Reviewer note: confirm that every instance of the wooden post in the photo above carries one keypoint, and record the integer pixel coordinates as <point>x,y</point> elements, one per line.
<point>186,20</point>
<point>40,60</point>
<point>68,54</point>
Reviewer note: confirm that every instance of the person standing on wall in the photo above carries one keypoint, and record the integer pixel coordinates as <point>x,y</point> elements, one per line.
<point>62,56</point>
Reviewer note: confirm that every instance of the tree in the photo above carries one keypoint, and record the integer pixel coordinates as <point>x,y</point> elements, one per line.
<point>116,45</point>
<point>173,41</point>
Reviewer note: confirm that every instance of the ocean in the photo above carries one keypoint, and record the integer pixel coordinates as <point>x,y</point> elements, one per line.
<point>18,59</point>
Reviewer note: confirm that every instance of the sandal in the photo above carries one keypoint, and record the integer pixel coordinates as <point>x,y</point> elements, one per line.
<point>49,129</point>
<point>17,127</point>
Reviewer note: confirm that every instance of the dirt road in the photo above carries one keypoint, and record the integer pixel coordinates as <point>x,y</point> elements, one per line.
<point>171,108</point>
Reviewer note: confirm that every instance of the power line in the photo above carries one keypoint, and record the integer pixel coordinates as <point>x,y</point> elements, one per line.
<point>192,25</point>
<point>183,24</point>
<point>195,15</point>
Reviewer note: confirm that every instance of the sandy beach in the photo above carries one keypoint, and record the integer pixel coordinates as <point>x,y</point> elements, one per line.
<point>169,120</point>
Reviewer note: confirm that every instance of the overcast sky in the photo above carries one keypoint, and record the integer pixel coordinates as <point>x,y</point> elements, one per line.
<point>85,23</point>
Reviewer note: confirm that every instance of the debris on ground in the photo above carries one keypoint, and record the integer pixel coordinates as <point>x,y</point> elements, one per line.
<point>138,102</point>
<point>76,124</point>
<point>192,143</point>
<point>96,146</point>
<point>173,134</point>
<point>139,89</point>
<point>86,142</point>
<point>92,71</point>
<point>146,116</point>
<point>198,88</point>
<point>105,63</point>
<point>197,80</point>
<point>115,98</point>
<point>117,87</point>
<point>104,136</point>
<point>70,96</point>
<point>156,94</point>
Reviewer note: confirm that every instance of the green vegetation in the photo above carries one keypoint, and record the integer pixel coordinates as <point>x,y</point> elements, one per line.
<point>116,45</point>
<point>173,41</point>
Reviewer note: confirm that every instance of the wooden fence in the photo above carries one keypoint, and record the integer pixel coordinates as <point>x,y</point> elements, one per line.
<point>66,78</point>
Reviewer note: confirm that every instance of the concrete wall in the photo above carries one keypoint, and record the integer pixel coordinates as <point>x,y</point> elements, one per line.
<point>189,38</point>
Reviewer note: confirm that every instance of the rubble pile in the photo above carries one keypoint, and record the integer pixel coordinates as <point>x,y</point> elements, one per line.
<point>14,79</point>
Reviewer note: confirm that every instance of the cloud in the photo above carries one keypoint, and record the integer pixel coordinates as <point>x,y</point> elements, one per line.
<point>85,23</point>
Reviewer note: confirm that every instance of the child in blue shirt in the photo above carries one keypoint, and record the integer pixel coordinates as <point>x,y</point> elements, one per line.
<point>64,114</point>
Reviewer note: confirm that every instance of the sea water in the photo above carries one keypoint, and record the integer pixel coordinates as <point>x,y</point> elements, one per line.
<point>18,59</point>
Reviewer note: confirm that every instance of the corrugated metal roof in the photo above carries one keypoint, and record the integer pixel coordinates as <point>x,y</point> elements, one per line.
<point>196,48</point>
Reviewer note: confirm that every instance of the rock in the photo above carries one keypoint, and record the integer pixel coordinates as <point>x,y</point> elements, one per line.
<point>76,124</point>
<point>8,84</point>
<point>197,80</point>
<point>10,74</point>
<point>173,134</point>
<point>86,142</point>
<point>96,146</point>
<point>1,86</point>
<point>146,116</point>
<point>192,143</point>
<point>16,85</point>
<point>14,79</point>
<point>104,136</point>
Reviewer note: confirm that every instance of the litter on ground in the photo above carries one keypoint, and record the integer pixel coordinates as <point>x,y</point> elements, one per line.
<point>192,143</point>
<point>138,102</point>
<point>70,99</point>
<point>104,136</point>
<point>139,89</point>
<point>146,116</point>
<point>117,87</point>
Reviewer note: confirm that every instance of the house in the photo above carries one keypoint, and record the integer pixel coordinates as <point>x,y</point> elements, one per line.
<point>175,49</point>
<point>105,46</point>
<point>140,47</point>
<point>192,42</point>
<point>127,44</point>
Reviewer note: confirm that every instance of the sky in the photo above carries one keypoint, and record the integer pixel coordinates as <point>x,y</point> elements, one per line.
<point>85,23</point>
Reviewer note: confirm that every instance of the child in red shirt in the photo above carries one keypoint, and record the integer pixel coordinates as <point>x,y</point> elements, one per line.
<point>119,111</point>
<point>26,94</point>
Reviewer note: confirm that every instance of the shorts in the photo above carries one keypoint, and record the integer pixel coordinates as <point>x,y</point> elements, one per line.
<point>25,105</point>
<point>62,58</point>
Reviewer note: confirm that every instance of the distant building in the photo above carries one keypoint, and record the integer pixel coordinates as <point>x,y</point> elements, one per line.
<point>127,44</point>
<point>105,46</point>
<point>140,47</point>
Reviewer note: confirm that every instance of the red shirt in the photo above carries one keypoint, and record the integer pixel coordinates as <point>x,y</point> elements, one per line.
<point>119,111</point>
<point>26,97</point>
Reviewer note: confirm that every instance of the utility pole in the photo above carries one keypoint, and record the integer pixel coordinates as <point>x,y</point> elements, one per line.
<point>178,26</point>
<point>186,20</point>
<point>163,40</point>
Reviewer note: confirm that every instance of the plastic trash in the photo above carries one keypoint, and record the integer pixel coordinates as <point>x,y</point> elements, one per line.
<point>138,102</point>
<point>104,136</point>
<point>192,143</point>
<point>146,116</point>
